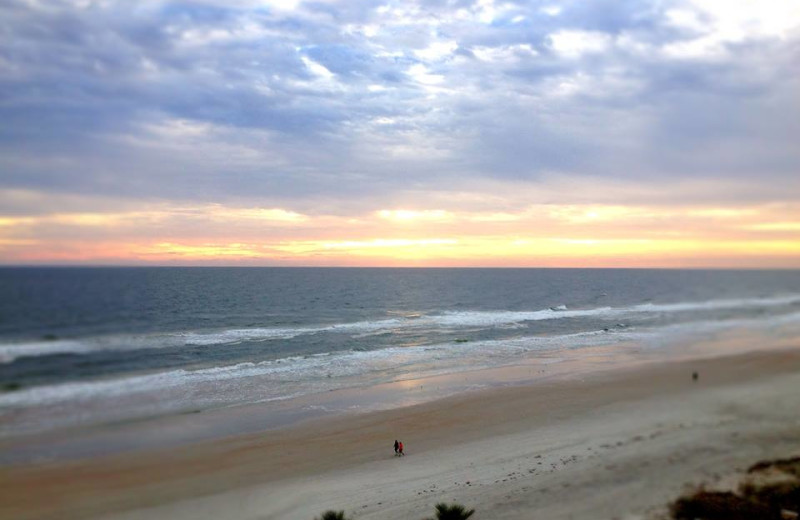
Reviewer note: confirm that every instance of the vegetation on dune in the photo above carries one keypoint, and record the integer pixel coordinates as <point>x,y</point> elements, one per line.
<point>333,515</point>
<point>716,505</point>
<point>789,466</point>
<point>443,512</point>
<point>771,491</point>
<point>452,512</point>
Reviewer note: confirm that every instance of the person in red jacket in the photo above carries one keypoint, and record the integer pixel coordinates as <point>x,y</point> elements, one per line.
<point>400,449</point>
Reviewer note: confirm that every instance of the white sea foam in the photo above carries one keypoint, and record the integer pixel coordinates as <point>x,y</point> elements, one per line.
<point>447,321</point>
<point>718,304</point>
<point>235,336</point>
<point>11,352</point>
<point>467,319</point>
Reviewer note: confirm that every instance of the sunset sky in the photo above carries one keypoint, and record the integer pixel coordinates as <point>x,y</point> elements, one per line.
<point>582,133</point>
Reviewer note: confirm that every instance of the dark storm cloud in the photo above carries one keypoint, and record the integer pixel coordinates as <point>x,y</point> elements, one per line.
<point>214,100</point>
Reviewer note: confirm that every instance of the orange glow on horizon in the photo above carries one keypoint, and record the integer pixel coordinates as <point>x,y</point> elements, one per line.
<point>538,235</point>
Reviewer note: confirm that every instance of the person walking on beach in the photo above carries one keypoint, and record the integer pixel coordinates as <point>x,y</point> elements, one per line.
<point>400,449</point>
<point>396,447</point>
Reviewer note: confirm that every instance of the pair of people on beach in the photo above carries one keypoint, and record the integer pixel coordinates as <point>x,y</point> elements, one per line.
<point>398,449</point>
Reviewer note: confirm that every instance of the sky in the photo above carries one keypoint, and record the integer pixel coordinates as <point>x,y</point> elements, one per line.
<point>592,133</point>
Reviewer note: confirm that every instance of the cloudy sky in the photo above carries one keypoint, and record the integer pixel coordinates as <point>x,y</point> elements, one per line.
<point>442,132</point>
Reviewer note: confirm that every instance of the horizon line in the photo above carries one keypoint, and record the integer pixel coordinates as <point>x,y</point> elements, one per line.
<point>190,266</point>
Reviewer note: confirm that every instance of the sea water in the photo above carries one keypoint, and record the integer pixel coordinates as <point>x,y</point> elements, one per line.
<point>88,346</point>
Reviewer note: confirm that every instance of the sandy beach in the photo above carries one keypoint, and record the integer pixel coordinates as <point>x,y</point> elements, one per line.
<point>606,444</point>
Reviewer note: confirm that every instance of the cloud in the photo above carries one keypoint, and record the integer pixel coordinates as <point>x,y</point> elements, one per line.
<point>349,108</point>
<point>574,44</point>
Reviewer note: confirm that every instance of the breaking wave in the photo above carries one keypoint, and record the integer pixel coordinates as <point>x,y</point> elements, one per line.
<point>451,321</point>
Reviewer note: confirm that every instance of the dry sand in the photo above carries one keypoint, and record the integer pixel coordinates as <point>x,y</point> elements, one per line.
<point>612,444</point>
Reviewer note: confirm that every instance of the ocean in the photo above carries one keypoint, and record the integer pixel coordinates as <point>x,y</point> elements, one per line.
<point>81,347</point>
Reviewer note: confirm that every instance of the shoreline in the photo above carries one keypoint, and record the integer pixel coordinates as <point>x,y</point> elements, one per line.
<point>492,426</point>
<point>175,430</point>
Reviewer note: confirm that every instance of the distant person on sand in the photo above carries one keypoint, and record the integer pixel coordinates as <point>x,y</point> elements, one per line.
<point>396,446</point>
<point>400,449</point>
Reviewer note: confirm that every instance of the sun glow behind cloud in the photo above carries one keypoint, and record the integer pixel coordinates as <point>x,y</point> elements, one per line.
<point>536,235</point>
<point>404,215</point>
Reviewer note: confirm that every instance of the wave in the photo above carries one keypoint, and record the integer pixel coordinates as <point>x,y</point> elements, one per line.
<point>12,352</point>
<point>294,376</point>
<point>446,322</point>
<point>315,368</point>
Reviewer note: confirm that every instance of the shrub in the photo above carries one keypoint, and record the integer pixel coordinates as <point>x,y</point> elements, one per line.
<point>452,512</point>
<point>714,505</point>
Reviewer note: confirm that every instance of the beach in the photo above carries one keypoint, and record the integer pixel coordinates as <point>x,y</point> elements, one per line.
<point>247,248</point>
<point>616,443</point>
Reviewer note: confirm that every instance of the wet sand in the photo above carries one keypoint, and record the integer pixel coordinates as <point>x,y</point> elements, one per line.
<point>604,444</point>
